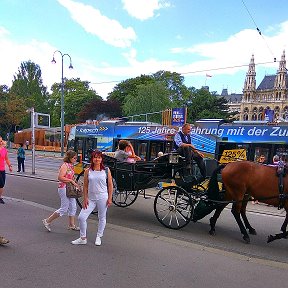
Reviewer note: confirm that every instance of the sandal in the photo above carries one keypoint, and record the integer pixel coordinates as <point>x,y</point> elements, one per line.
<point>74,228</point>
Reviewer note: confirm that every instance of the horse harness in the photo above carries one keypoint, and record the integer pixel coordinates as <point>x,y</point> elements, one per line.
<point>281,172</point>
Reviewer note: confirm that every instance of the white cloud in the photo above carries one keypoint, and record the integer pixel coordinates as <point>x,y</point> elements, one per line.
<point>92,21</point>
<point>236,51</point>
<point>144,9</point>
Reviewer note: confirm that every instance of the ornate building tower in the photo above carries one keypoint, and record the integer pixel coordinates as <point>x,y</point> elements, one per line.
<point>272,93</point>
<point>249,91</point>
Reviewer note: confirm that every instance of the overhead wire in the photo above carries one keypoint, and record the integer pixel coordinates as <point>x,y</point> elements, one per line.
<point>258,30</point>
<point>219,68</point>
<point>196,71</point>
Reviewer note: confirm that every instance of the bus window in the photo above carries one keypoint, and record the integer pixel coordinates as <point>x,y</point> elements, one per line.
<point>155,147</point>
<point>168,147</point>
<point>261,151</point>
<point>142,150</point>
<point>282,151</point>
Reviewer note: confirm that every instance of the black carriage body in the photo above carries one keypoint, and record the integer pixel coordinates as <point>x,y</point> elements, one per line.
<point>137,176</point>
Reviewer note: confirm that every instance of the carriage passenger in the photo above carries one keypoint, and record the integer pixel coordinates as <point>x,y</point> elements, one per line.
<point>184,146</point>
<point>123,156</point>
<point>262,159</point>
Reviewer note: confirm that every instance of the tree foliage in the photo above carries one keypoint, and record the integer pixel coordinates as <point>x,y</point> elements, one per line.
<point>98,109</point>
<point>77,94</point>
<point>202,104</point>
<point>12,110</point>
<point>28,84</point>
<point>174,83</point>
<point>128,87</point>
<point>149,98</point>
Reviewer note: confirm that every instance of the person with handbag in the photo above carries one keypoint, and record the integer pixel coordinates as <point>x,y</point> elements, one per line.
<point>97,192</point>
<point>68,205</point>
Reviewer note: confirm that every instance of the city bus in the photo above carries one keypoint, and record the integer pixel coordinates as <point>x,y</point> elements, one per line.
<point>248,139</point>
<point>147,138</point>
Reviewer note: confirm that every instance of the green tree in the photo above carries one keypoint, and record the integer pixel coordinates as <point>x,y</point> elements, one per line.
<point>128,87</point>
<point>153,97</point>
<point>12,110</point>
<point>201,104</point>
<point>77,94</point>
<point>174,82</point>
<point>28,85</point>
<point>99,109</point>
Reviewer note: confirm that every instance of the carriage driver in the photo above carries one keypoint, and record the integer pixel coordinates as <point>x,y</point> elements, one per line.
<point>183,145</point>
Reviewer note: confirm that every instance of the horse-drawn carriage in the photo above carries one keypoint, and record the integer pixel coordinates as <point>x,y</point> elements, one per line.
<point>187,199</point>
<point>182,199</point>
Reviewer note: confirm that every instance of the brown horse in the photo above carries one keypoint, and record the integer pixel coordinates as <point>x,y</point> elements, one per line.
<point>244,179</point>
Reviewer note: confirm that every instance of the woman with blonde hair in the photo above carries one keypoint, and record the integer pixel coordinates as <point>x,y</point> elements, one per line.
<point>68,205</point>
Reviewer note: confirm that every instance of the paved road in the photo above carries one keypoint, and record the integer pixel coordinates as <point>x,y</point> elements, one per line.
<point>129,255</point>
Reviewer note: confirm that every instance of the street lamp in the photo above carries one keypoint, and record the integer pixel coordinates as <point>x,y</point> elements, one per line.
<point>62,96</point>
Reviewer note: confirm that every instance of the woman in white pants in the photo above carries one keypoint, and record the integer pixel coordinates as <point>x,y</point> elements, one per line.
<point>68,205</point>
<point>97,192</point>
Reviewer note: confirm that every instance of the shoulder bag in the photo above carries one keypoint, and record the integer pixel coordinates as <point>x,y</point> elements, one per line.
<point>73,191</point>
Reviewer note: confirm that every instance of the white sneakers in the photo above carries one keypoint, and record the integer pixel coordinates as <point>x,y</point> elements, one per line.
<point>98,241</point>
<point>46,225</point>
<point>79,241</point>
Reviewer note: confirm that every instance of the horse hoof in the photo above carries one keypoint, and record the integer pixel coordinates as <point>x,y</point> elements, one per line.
<point>246,239</point>
<point>252,231</point>
<point>212,232</point>
<point>270,238</point>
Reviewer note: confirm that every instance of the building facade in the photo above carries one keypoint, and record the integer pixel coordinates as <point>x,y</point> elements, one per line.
<point>269,99</point>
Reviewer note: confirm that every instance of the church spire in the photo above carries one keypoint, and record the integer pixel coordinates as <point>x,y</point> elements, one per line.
<point>250,81</point>
<point>280,80</point>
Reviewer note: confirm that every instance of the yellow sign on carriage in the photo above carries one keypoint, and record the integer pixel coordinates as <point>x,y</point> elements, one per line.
<point>233,155</point>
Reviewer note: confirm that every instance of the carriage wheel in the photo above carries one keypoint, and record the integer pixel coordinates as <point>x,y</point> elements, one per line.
<point>173,207</point>
<point>124,198</point>
<point>80,181</point>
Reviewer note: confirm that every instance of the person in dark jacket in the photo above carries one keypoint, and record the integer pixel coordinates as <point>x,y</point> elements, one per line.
<point>184,146</point>
<point>21,158</point>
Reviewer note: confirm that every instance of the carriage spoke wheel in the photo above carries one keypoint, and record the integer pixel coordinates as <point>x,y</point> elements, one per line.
<point>173,207</point>
<point>80,181</point>
<point>124,198</point>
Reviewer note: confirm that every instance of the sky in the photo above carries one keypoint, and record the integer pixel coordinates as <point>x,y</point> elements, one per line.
<point>113,40</point>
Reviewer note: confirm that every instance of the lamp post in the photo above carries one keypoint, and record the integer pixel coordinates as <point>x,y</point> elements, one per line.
<point>62,95</point>
<point>32,111</point>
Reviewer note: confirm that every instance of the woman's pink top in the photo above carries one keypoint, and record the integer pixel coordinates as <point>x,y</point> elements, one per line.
<point>130,160</point>
<point>69,174</point>
<point>3,154</point>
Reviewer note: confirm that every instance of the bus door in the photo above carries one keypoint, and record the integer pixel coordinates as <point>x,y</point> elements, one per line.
<point>88,145</point>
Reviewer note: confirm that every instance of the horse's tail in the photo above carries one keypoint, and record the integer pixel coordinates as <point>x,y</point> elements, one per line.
<point>213,187</point>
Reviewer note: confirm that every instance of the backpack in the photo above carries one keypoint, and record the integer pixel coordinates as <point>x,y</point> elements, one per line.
<point>114,191</point>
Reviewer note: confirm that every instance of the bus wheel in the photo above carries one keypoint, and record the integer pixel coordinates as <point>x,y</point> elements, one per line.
<point>80,181</point>
<point>124,198</point>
